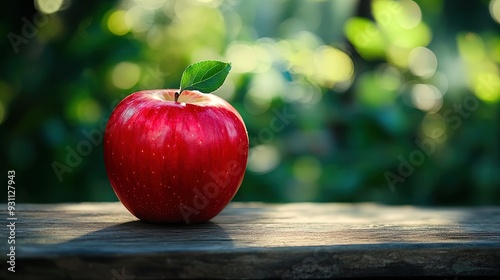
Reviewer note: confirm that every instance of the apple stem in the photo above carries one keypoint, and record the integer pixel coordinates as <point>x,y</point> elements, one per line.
<point>177,94</point>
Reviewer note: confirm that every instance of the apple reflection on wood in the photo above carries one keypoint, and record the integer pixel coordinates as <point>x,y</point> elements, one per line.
<point>177,156</point>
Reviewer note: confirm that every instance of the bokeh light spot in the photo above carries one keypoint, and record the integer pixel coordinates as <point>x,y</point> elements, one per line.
<point>422,62</point>
<point>88,110</point>
<point>420,35</point>
<point>211,3</point>
<point>412,15</point>
<point>487,87</point>
<point>49,6</point>
<point>495,10</point>
<point>156,37</point>
<point>140,19</point>
<point>365,36</point>
<point>307,169</point>
<point>227,90</point>
<point>270,84</point>
<point>256,102</point>
<point>265,58</point>
<point>371,94</point>
<point>401,23</point>
<point>398,56</point>
<point>125,75</point>
<point>150,4</point>
<point>118,23</point>
<point>300,61</point>
<point>263,158</point>
<point>52,29</point>
<point>331,66</point>
<point>243,58</point>
<point>426,97</point>
<point>471,47</point>
<point>440,80</point>
<point>263,89</point>
<point>388,77</point>
<point>387,12</point>
<point>434,125</point>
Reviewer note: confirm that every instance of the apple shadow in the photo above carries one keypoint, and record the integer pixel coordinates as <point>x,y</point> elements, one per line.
<point>131,250</point>
<point>137,237</point>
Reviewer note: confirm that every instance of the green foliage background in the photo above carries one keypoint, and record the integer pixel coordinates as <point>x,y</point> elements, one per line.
<point>363,82</point>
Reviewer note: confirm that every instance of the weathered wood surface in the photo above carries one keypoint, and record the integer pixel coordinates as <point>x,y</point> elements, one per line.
<point>248,240</point>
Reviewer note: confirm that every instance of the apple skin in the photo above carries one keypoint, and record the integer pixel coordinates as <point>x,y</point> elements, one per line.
<point>175,162</point>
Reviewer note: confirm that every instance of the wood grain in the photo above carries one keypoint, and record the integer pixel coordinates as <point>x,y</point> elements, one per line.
<point>256,241</point>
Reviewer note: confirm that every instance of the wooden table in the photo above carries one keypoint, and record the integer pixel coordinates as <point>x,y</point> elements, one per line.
<point>256,241</point>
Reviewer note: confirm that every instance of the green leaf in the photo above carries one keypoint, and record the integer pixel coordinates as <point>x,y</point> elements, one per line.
<point>205,76</point>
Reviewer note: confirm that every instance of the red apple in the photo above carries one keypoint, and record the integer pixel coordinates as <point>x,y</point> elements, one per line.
<point>175,161</point>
